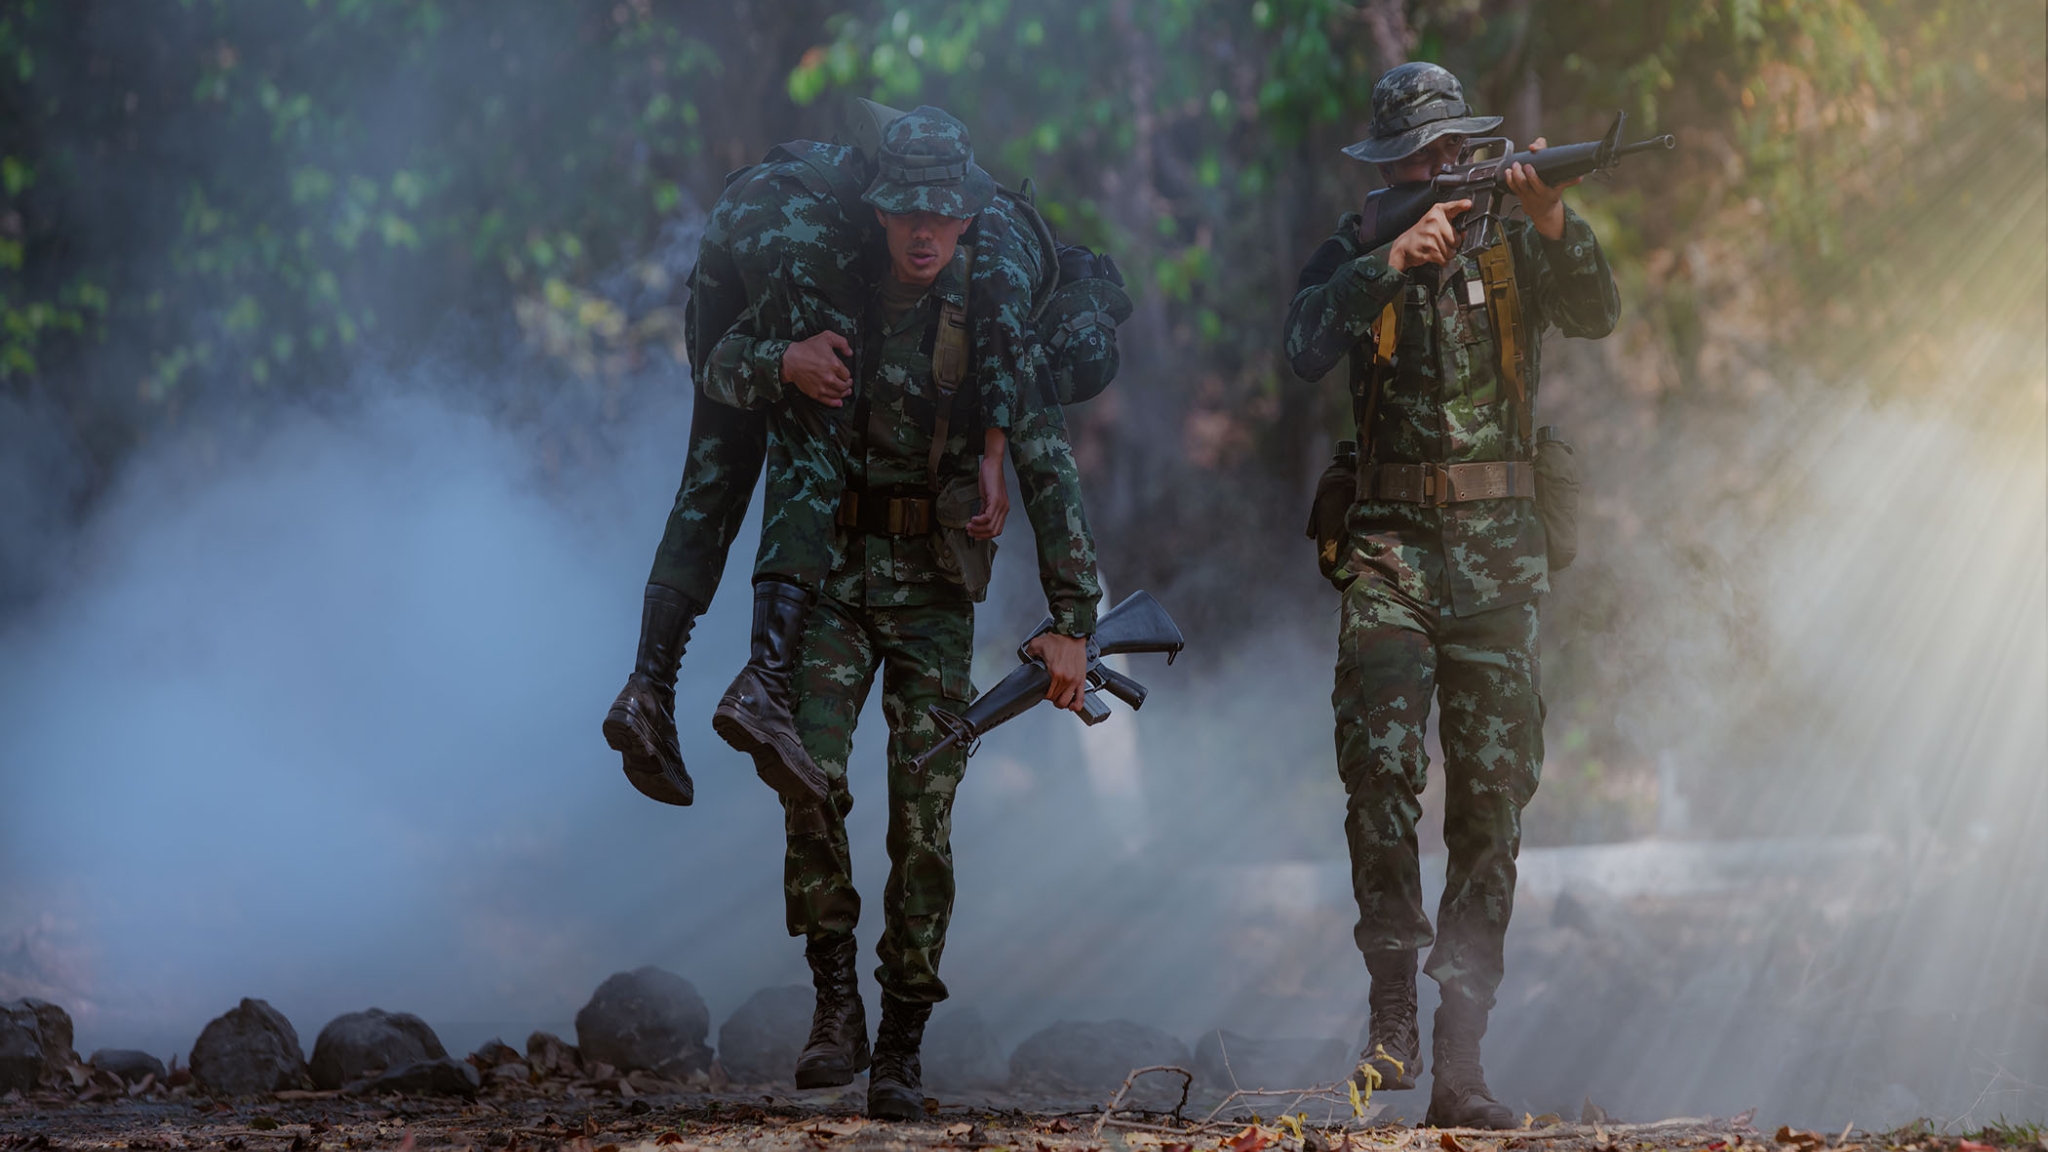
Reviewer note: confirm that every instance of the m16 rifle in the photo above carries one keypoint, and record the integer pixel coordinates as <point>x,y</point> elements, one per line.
<point>1137,625</point>
<point>1391,211</point>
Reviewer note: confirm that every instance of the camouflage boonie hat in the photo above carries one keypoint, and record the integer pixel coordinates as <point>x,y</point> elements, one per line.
<point>926,164</point>
<point>1078,327</point>
<point>1413,105</point>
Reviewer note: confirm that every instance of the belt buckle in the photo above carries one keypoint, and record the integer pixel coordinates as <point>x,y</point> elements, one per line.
<point>1436,485</point>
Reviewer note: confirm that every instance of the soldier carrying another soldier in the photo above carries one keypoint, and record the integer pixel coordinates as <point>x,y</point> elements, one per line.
<point>898,484</point>
<point>1436,544</point>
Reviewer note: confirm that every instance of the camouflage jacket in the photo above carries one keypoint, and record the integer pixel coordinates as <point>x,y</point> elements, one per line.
<point>1445,401</point>
<point>891,443</point>
<point>793,232</point>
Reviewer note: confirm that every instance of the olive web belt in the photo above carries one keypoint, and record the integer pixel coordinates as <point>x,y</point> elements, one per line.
<point>1438,484</point>
<point>880,514</point>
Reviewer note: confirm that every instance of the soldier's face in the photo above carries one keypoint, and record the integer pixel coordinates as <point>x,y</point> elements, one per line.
<point>1424,162</point>
<point>921,244</point>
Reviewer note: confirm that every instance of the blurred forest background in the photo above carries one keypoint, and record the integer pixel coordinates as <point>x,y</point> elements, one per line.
<point>219,208</point>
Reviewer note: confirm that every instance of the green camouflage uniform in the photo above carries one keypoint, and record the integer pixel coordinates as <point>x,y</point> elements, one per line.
<point>818,285</point>
<point>791,251</point>
<point>1443,598</point>
<point>894,604</point>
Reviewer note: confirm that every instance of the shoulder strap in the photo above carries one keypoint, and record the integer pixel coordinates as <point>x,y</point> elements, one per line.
<point>1384,332</point>
<point>950,350</point>
<point>1497,272</point>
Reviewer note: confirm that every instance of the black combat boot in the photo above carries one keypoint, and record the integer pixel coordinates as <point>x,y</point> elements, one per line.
<point>1459,1097</point>
<point>754,715</point>
<point>838,1047</point>
<point>1393,1047</point>
<point>896,1083</point>
<point>642,722</point>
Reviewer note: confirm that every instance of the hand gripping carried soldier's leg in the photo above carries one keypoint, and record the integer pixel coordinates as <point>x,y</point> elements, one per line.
<point>1459,1097</point>
<point>1393,1046</point>
<point>896,1082</point>
<point>641,725</point>
<point>838,1047</point>
<point>754,714</point>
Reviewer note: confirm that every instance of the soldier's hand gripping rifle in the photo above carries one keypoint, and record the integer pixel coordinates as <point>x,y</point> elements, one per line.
<point>1138,624</point>
<point>1391,211</point>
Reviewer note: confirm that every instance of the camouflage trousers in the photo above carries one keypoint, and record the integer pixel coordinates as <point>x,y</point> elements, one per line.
<point>719,470</point>
<point>1393,654</point>
<point>805,458</point>
<point>923,653</point>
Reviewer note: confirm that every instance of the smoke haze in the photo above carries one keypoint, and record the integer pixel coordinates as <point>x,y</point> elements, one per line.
<point>306,708</point>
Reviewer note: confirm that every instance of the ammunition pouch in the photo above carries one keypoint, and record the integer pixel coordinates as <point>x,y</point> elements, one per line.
<point>963,559</point>
<point>1329,516</point>
<point>1557,497</point>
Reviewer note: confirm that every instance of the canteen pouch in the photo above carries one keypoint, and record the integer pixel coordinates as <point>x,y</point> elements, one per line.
<point>963,559</point>
<point>1328,516</point>
<point>1557,496</point>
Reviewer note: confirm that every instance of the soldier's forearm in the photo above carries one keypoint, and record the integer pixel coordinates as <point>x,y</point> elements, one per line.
<point>1327,320</point>
<point>745,372</point>
<point>1050,485</point>
<point>1582,299</point>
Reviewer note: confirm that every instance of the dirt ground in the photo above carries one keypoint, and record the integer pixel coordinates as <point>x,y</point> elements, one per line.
<point>772,1124</point>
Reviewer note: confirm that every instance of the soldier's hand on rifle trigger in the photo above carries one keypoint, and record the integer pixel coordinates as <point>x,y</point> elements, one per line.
<point>817,367</point>
<point>1433,240</point>
<point>1543,202</point>
<point>1066,658</point>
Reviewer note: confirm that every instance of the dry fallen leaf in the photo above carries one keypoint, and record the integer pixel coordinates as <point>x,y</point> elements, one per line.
<point>1450,1143</point>
<point>1250,1140</point>
<point>1805,1141</point>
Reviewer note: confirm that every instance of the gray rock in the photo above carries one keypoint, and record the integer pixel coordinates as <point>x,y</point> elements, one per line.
<point>250,1049</point>
<point>436,1077</point>
<point>1226,1061</point>
<point>493,1052</point>
<point>760,1042</point>
<point>21,1048</point>
<point>961,1054</point>
<point>646,1019</point>
<point>359,1045</point>
<point>550,1055</point>
<point>53,1024</point>
<point>127,1063</point>
<point>1091,1058</point>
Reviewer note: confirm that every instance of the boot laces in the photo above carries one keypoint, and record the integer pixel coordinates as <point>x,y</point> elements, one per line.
<point>896,1044</point>
<point>1458,1068</point>
<point>1393,1019</point>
